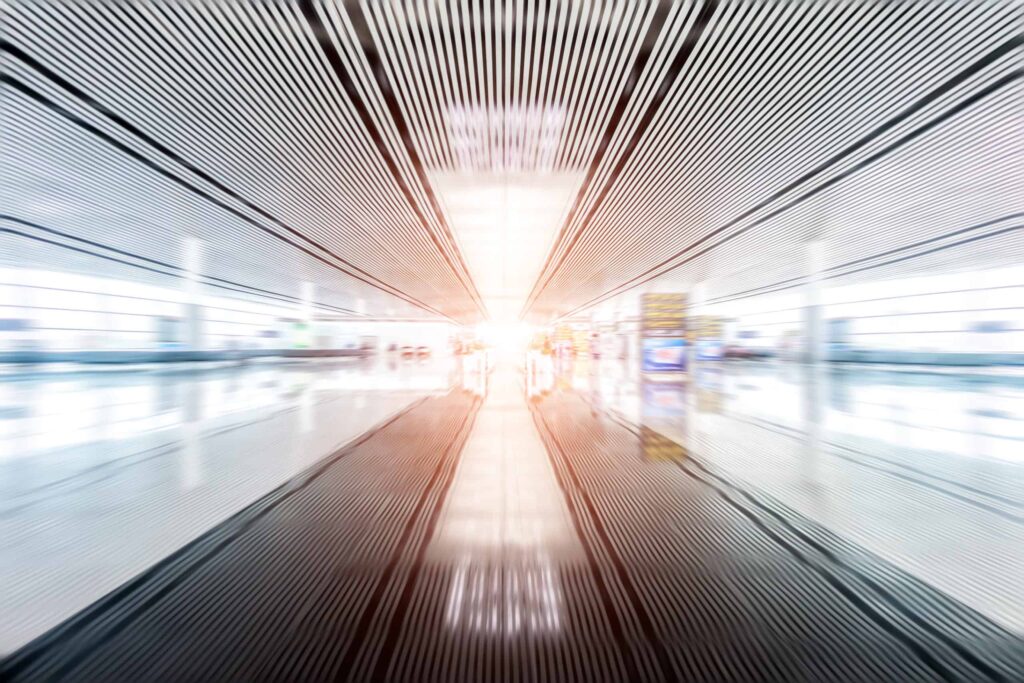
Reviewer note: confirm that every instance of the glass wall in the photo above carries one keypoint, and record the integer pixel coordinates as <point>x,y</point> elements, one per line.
<point>979,312</point>
<point>52,311</point>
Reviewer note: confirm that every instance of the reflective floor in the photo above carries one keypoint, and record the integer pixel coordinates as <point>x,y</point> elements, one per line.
<point>925,470</point>
<point>569,520</point>
<point>103,474</point>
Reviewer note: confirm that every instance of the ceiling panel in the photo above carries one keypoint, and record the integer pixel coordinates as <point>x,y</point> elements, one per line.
<point>784,123</point>
<point>463,159</point>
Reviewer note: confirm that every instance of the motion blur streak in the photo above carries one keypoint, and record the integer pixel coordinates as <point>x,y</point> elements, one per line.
<point>518,340</point>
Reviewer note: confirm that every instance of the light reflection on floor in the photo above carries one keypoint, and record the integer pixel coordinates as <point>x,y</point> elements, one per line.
<point>925,470</point>
<point>104,474</point>
<point>963,415</point>
<point>506,521</point>
<point>50,411</point>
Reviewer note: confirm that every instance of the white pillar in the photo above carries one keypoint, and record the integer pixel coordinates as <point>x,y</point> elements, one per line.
<point>306,417</point>
<point>699,295</point>
<point>306,302</point>
<point>306,312</point>
<point>815,373</point>
<point>814,320</point>
<point>695,308</point>
<point>193,328</point>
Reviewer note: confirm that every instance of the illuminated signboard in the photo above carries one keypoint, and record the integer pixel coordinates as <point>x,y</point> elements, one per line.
<point>663,354</point>
<point>708,327</point>
<point>663,315</point>
<point>706,333</point>
<point>663,332</point>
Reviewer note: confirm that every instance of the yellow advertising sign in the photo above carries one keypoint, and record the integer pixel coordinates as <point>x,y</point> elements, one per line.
<point>663,314</point>
<point>708,327</point>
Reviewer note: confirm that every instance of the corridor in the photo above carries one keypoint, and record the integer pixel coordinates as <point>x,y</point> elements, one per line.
<point>511,340</point>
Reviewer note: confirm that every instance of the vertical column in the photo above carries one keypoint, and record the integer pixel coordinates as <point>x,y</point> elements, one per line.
<point>815,374</point>
<point>193,337</point>
<point>105,306</point>
<point>306,303</point>
<point>698,295</point>
<point>191,467</point>
<point>306,316</point>
<point>306,421</point>
<point>814,321</point>
<point>622,346</point>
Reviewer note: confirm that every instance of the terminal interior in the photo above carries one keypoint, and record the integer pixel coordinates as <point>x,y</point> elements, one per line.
<point>513,340</point>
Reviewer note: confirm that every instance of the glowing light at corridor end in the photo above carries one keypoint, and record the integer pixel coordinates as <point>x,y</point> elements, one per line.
<point>505,336</point>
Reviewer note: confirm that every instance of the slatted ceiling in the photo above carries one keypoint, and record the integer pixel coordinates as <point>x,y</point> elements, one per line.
<point>78,176</point>
<point>399,128</point>
<point>55,252</point>
<point>493,100</point>
<point>780,266</point>
<point>99,206</point>
<point>941,200</point>
<point>966,203</point>
<point>168,76</point>
<point>491,89</point>
<point>1002,249</point>
<point>654,233</point>
<point>77,179</point>
<point>333,141</point>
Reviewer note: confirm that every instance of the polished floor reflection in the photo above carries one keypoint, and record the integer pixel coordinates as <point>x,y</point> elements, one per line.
<point>103,474</point>
<point>563,520</point>
<point>506,524</point>
<point>926,470</point>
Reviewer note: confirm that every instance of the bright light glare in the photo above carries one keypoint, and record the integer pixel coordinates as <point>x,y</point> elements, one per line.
<point>505,336</point>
